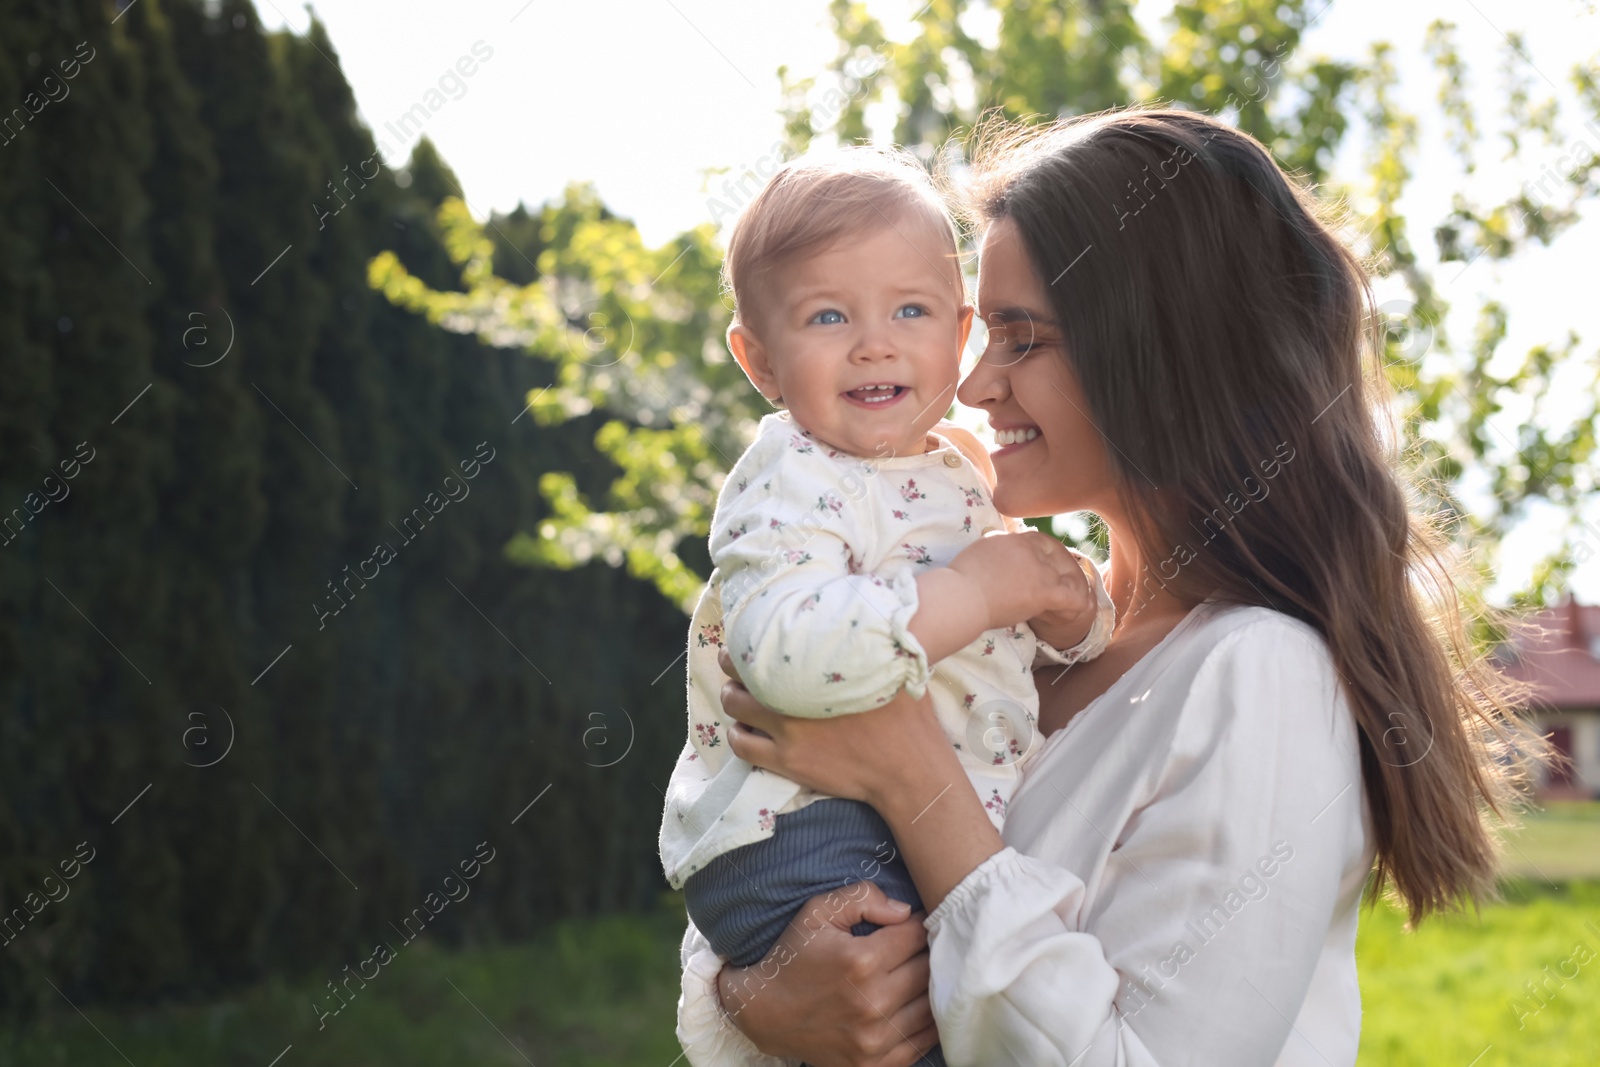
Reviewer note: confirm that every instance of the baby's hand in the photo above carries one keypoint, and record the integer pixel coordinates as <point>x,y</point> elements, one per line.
<point>1030,575</point>
<point>1068,628</point>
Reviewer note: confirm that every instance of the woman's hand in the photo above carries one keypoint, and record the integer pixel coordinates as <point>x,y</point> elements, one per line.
<point>890,751</point>
<point>793,1003</point>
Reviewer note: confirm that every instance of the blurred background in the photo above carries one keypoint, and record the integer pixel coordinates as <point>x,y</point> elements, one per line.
<point>362,406</point>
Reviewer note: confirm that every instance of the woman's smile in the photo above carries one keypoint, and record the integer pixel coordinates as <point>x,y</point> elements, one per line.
<point>1012,439</point>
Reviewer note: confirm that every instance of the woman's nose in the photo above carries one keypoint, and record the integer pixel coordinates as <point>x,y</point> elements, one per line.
<point>983,386</point>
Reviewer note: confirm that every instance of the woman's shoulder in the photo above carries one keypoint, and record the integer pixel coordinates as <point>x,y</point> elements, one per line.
<point>1239,709</point>
<point>1249,663</point>
<point>1221,661</point>
<point>1235,630</point>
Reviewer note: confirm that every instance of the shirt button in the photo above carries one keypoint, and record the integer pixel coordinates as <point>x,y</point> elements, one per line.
<point>952,460</point>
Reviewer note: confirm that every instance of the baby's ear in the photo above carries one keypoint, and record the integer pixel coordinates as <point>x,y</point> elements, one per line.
<point>966,314</point>
<point>751,355</point>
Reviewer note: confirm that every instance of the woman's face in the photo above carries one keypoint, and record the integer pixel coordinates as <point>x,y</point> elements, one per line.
<point>1024,382</point>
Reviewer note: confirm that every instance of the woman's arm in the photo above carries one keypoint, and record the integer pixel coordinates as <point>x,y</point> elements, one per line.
<point>822,995</point>
<point>902,764</point>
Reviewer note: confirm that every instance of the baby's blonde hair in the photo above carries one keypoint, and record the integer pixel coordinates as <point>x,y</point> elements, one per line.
<point>813,201</point>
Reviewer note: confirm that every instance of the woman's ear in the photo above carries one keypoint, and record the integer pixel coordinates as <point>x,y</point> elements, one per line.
<point>752,356</point>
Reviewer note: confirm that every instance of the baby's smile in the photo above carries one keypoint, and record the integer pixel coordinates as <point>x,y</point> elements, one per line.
<point>878,395</point>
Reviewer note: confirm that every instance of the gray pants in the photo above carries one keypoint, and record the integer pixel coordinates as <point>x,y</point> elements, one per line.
<point>743,900</point>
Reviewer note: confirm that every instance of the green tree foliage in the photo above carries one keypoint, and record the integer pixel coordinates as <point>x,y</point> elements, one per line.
<point>1242,60</point>
<point>632,334</point>
<point>185,240</point>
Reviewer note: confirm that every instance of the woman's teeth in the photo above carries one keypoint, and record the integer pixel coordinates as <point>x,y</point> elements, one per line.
<point>1012,437</point>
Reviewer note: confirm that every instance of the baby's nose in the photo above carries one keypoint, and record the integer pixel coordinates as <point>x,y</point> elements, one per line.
<point>876,345</point>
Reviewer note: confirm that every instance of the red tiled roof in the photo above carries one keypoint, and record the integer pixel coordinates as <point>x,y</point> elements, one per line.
<point>1556,653</point>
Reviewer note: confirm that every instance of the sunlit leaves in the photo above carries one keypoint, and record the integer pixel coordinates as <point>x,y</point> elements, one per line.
<point>1462,131</point>
<point>627,329</point>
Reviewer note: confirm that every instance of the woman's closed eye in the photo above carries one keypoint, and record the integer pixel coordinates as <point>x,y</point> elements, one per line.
<point>1005,341</point>
<point>1011,343</point>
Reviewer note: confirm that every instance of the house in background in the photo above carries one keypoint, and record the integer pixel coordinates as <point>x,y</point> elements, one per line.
<point>1558,656</point>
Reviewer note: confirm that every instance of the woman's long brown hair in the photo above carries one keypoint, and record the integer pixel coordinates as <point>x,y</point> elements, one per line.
<point>1225,339</point>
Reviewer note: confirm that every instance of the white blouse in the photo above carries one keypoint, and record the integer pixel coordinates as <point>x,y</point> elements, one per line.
<point>1184,864</point>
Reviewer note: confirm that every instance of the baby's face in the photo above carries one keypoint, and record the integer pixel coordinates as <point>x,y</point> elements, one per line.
<point>863,339</point>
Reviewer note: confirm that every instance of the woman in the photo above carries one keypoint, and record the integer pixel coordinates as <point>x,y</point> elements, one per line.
<point>1288,702</point>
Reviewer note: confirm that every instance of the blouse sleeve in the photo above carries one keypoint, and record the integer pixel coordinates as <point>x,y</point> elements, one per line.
<point>810,635</point>
<point>1226,829</point>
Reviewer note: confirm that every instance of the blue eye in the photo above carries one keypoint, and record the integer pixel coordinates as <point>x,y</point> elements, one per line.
<point>911,311</point>
<point>822,318</point>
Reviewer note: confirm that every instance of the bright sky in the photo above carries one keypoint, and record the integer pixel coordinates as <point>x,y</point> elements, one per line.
<point>642,97</point>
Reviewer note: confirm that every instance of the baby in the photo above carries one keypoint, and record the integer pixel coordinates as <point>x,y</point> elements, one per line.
<point>849,545</point>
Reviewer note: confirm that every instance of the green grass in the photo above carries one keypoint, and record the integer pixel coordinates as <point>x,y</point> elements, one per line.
<point>1453,991</point>
<point>592,993</point>
<point>602,991</point>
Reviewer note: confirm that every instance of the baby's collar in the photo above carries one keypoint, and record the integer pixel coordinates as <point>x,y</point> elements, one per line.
<point>939,447</point>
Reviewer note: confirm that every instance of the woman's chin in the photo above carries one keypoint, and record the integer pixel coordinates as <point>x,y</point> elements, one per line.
<point>1009,503</point>
<point>1023,502</point>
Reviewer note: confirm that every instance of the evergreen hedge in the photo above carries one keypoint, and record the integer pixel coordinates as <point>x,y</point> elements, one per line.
<point>175,593</point>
